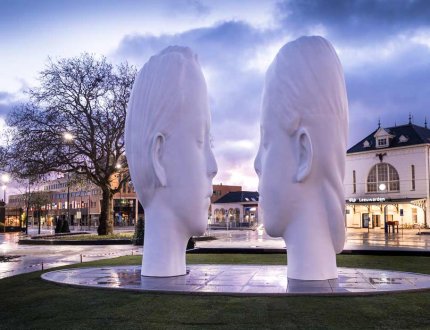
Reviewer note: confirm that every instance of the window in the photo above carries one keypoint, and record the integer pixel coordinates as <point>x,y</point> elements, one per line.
<point>354,183</point>
<point>383,178</point>
<point>382,142</point>
<point>413,176</point>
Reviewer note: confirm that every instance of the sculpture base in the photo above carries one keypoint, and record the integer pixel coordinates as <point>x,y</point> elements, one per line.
<point>242,280</point>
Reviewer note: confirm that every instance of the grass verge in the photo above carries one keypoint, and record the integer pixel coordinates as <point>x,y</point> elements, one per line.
<point>30,303</point>
<point>93,237</point>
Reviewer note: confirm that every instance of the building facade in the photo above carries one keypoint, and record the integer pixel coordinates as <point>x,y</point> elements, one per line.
<point>236,209</point>
<point>85,204</point>
<point>387,179</point>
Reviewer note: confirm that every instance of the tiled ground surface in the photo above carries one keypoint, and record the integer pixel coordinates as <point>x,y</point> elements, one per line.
<point>242,279</point>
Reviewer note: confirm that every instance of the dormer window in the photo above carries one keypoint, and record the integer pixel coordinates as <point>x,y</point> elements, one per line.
<point>403,139</point>
<point>382,142</point>
<point>366,144</point>
<point>383,137</point>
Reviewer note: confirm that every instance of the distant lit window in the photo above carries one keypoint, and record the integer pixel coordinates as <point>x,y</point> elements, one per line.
<point>414,215</point>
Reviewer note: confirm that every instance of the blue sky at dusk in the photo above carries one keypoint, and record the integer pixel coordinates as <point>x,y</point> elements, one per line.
<point>384,47</point>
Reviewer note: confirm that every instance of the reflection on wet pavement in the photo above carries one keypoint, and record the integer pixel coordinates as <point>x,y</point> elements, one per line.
<point>242,279</point>
<point>356,239</point>
<point>36,257</point>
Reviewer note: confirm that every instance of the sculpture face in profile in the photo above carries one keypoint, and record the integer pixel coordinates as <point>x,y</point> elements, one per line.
<point>301,158</point>
<point>168,148</point>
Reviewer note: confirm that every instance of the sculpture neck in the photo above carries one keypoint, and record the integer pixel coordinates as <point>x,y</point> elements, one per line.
<point>310,251</point>
<point>164,244</point>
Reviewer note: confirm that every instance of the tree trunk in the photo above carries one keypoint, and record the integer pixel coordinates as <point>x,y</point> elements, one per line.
<point>38,219</point>
<point>106,214</point>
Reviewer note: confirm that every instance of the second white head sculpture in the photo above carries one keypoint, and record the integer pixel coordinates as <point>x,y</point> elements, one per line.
<point>169,155</point>
<point>301,158</point>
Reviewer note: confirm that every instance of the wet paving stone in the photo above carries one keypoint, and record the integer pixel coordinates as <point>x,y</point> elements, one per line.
<point>242,280</point>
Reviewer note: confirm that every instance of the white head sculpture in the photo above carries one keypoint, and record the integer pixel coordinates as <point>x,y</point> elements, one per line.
<point>168,148</point>
<point>301,158</point>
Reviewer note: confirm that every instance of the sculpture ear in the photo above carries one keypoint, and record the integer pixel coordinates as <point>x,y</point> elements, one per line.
<point>156,154</point>
<point>305,154</point>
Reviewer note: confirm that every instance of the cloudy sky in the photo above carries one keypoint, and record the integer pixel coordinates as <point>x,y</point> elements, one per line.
<point>384,47</point>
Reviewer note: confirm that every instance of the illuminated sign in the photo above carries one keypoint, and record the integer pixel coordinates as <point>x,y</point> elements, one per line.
<point>366,200</point>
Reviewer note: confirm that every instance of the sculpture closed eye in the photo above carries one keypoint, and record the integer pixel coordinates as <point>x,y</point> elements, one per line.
<point>301,166</point>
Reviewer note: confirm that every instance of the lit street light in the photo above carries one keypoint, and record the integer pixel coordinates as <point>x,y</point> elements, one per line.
<point>5,178</point>
<point>68,137</point>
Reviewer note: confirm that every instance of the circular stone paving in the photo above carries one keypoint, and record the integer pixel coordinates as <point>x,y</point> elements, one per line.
<point>241,280</point>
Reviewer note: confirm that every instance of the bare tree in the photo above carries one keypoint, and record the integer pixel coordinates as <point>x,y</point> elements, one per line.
<point>39,201</point>
<point>74,122</point>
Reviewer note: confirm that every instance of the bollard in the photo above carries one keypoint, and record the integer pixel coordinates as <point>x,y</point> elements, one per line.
<point>81,258</point>
<point>131,252</point>
<point>42,265</point>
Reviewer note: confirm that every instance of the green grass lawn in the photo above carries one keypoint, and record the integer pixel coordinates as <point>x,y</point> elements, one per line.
<point>27,302</point>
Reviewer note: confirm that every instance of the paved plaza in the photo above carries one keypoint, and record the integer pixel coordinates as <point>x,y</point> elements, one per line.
<point>27,258</point>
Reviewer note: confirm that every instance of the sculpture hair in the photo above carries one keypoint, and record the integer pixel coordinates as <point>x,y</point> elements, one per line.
<point>305,87</point>
<point>156,102</point>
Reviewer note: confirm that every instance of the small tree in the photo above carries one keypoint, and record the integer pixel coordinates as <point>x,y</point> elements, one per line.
<point>139,232</point>
<point>86,98</point>
<point>37,201</point>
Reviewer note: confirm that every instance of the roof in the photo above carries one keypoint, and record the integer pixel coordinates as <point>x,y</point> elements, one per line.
<point>239,197</point>
<point>414,134</point>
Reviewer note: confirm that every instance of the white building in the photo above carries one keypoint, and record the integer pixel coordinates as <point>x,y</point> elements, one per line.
<point>387,178</point>
<point>236,209</point>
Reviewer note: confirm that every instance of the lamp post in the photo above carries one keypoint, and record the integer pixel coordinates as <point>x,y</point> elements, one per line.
<point>118,167</point>
<point>382,187</point>
<point>68,137</point>
<point>5,179</point>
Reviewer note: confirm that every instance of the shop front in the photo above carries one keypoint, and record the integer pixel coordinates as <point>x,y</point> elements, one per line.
<point>380,213</point>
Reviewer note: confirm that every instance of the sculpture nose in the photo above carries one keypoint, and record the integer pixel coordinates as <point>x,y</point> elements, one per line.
<point>257,163</point>
<point>212,165</point>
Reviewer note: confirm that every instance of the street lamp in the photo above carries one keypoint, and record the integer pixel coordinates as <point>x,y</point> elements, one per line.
<point>5,178</point>
<point>382,187</point>
<point>4,192</point>
<point>68,137</point>
<point>118,167</point>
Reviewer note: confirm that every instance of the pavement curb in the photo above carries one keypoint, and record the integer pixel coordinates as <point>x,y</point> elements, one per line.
<point>278,251</point>
<point>72,242</point>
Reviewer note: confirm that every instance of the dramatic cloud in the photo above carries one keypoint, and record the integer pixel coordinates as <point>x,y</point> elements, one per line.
<point>7,102</point>
<point>227,52</point>
<point>355,21</point>
<point>384,46</point>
